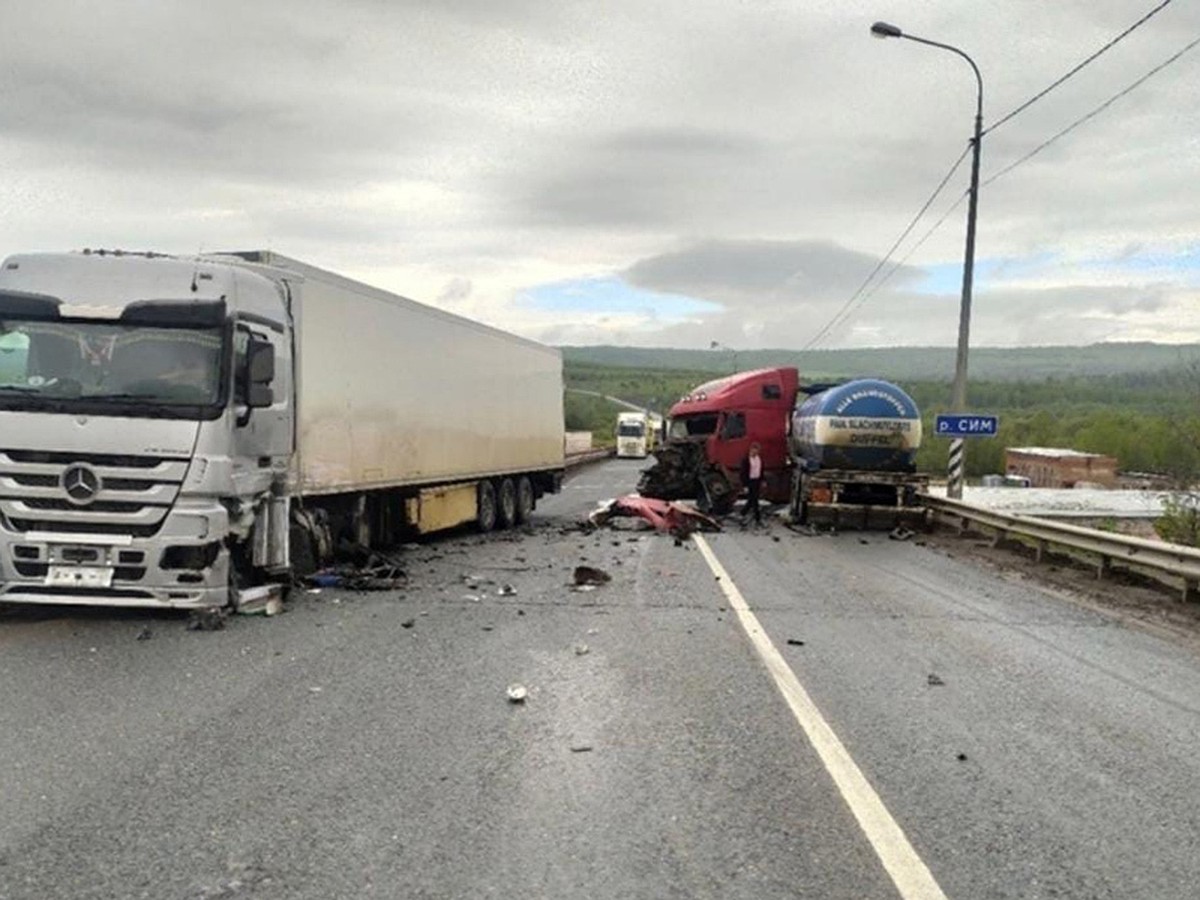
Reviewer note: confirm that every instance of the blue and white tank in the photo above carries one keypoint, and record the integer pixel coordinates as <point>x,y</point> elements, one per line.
<point>861,425</point>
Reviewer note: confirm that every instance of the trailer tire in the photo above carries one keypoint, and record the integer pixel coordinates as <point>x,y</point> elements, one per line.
<point>506,506</point>
<point>525,499</point>
<point>485,506</point>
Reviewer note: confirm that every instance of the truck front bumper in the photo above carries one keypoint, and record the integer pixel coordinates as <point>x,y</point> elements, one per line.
<point>184,565</point>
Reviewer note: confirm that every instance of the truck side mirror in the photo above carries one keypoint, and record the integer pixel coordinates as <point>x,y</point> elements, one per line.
<point>260,372</point>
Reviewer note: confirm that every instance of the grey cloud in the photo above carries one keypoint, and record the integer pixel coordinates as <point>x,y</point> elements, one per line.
<point>745,269</point>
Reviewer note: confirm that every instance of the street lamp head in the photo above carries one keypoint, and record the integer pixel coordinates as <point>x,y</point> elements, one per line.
<point>884,30</point>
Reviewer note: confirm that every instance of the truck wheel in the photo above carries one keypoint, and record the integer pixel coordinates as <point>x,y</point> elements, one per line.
<point>485,506</point>
<point>525,499</point>
<point>507,505</point>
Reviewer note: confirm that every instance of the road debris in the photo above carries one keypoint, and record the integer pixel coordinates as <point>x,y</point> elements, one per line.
<point>589,576</point>
<point>795,642</point>
<point>581,649</point>
<point>408,623</point>
<point>263,600</point>
<point>666,516</point>
<point>517,693</point>
<point>935,680</point>
<point>581,748</point>
<point>962,757</point>
<point>145,634</point>
<point>900,533</point>
<point>209,619</point>
<point>315,689</point>
<point>506,590</point>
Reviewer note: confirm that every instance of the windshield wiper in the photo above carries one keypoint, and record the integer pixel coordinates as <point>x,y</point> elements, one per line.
<point>145,403</point>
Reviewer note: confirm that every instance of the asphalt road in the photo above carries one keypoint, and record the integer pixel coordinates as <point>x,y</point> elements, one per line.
<point>362,745</point>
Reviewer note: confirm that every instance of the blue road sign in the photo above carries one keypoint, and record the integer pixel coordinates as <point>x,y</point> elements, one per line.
<point>963,426</point>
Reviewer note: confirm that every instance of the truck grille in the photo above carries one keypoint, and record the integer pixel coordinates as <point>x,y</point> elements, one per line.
<point>87,493</point>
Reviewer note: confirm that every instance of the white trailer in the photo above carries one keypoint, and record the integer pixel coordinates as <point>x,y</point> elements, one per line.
<point>174,426</point>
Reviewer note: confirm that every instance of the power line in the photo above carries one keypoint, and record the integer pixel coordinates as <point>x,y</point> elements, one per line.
<point>908,229</point>
<point>1095,112</point>
<point>1042,93</point>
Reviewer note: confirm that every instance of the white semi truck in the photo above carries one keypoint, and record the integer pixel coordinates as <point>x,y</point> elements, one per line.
<point>635,436</point>
<point>172,429</point>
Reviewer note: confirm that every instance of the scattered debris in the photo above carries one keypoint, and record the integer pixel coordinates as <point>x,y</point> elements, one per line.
<point>209,619</point>
<point>263,600</point>
<point>471,598</point>
<point>900,533</point>
<point>145,634</point>
<point>864,541</point>
<point>589,575</point>
<point>593,631</point>
<point>581,748</point>
<point>775,538</point>
<point>505,590</point>
<point>581,649</point>
<point>517,693</point>
<point>408,623</point>
<point>962,757</point>
<point>520,612</point>
<point>795,642</point>
<point>584,588</point>
<point>315,689</point>
<point>666,516</point>
<point>385,577</point>
<point>489,627</point>
<point>935,680</point>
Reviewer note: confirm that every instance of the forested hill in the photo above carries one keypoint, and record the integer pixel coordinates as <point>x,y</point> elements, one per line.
<point>908,363</point>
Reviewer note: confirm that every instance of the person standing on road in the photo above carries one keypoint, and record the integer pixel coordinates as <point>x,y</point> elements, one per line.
<point>751,474</point>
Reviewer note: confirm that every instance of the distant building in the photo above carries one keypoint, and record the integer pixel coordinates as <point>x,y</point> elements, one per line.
<point>1055,467</point>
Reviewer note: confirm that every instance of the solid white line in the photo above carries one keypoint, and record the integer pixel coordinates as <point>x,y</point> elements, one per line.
<point>909,873</point>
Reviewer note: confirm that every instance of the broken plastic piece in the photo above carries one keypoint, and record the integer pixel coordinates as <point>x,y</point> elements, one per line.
<point>263,600</point>
<point>667,517</point>
<point>517,693</point>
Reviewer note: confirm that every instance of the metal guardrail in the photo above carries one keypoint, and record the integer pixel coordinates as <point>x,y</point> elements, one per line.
<point>1172,564</point>
<point>578,459</point>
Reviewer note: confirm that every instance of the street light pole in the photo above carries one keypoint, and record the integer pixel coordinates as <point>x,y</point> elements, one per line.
<point>954,483</point>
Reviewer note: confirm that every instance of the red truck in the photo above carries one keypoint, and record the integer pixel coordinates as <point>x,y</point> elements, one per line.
<point>710,434</point>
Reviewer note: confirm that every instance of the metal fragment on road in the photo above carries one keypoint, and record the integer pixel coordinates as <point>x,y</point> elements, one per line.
<point>145,634</point>
<point>935,680</point>
<point>581,649</point>
<point>506,590</point>
<point>517,693</point>
<point>581,748</point>
<point>208,619</point>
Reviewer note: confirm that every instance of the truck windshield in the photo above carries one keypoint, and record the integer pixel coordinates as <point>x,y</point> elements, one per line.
<point>631,429</point>
<point>699,425</point>
<point>98,362</point>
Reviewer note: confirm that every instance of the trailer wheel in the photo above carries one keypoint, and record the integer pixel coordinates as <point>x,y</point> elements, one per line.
<point>525,499</point>
<point>485,513</point>
<point>507,505</point>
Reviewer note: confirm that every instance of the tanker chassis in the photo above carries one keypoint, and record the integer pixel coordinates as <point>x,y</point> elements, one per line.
<point>853,448</point>
<point>177,428</point>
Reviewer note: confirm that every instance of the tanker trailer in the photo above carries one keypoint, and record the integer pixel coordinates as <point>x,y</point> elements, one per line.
<point>853,448</point>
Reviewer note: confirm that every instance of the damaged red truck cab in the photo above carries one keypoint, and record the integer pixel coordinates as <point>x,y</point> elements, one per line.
<point>729,414</point>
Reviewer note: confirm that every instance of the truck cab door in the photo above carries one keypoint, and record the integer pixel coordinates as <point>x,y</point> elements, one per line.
<point>261,406</point>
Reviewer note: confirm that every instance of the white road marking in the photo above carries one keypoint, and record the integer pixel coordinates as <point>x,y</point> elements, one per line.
<point>908,871</point>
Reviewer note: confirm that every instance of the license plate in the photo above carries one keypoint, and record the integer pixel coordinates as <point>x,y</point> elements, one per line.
<point>79,576</point>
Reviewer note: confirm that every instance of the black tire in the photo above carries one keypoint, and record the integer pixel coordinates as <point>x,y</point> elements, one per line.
<point>525,499</point>
<point>485,514</point>
<point>506,506</point>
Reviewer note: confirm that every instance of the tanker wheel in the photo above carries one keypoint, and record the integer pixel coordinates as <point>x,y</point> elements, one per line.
<point>485,506</point>
<point>507,504</point>
<point>525,499</point>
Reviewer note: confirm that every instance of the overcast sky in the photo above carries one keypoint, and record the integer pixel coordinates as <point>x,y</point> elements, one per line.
<point>665,173</point>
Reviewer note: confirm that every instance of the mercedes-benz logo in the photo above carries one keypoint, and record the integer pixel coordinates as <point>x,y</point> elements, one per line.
<point>81,483</point>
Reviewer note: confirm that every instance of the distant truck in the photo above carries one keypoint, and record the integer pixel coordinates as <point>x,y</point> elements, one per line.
<point>174,429</point>
<point>636,434</point>
<point>853,450</point>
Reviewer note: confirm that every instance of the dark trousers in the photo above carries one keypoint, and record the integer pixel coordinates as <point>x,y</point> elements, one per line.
<point>752,488</point>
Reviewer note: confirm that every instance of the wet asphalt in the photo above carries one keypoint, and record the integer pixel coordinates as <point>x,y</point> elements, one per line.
<point>363,745</point>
